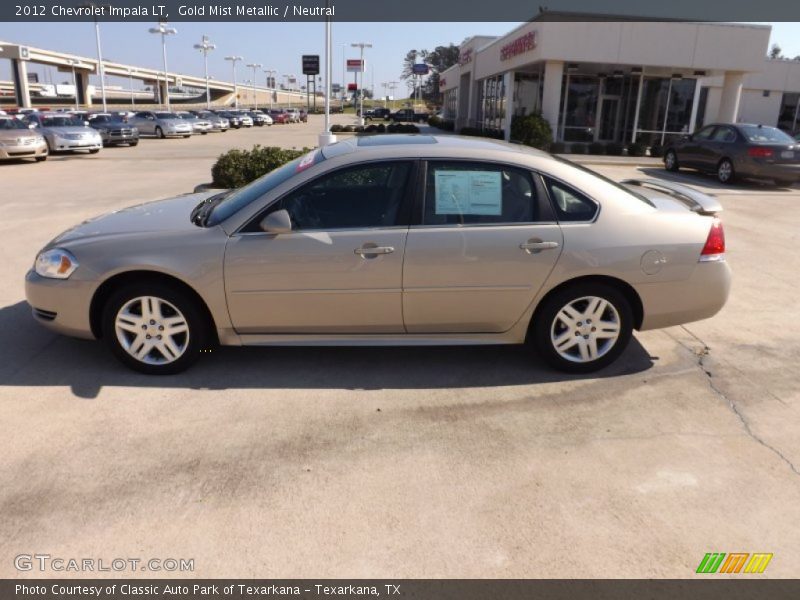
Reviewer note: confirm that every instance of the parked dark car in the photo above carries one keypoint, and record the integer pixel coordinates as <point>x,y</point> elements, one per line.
<point>375,114</point>
<point>408,115</point>
<point>234,119</point>
<point>114,131</point>
<point>740,150</point>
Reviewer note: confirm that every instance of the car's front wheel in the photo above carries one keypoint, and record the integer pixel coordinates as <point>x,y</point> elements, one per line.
<point>583,328</point>
<point>160,133</point>
<point>671,161</point>
<point>154,328</point>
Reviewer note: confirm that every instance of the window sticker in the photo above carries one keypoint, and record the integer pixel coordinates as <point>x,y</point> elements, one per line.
<point>308,160</point>
<point>468,193</point>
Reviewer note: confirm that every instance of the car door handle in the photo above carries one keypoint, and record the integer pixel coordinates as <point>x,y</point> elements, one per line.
<point>535,246</point>
<point>373,251</point>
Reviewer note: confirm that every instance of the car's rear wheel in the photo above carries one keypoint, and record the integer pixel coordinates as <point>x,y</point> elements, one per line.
<point>160,133</point>
<point>583,328</point>
<point>725,172</point>
<point>784,182</point>
<point>671,161</point>
<point>154,328</point>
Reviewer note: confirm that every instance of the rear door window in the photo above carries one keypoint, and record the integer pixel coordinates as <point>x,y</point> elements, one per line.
<point>570,204</point>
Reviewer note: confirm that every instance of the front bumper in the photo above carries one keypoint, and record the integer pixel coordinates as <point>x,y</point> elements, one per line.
<point>702,295</point>
<point>120,138</point>
<point>71,145</point>
<point>61,305</point>
<point>32,150</point>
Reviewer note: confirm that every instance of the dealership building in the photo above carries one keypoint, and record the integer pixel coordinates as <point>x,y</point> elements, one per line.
<point>621,81</point>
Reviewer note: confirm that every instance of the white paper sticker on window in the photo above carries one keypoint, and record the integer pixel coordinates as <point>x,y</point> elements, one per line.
<point>468,193</point>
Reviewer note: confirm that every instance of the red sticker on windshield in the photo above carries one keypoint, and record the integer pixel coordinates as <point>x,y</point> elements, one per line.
<point>307,161</point>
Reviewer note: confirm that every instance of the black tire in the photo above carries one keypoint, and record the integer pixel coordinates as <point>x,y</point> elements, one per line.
<point>198,328</point>
<point>671,161</point>
<point>725,171</point>
<point>132,144</point>
<point>94,150</point>
<point>160,133</point>
<point>784,183</point>
<point>547,322</point>
<point>187,136</point>
<point>41,158</point>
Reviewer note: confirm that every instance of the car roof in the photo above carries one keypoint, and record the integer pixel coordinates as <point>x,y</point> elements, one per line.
<point>440,146</point>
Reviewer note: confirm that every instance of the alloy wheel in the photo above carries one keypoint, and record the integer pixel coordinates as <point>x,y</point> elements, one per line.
<point>152,330</point>
<point>585,329</point>
<point>725,171</point>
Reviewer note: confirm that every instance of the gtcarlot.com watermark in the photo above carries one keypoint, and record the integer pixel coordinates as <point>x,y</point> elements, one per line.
<point>47,563</point>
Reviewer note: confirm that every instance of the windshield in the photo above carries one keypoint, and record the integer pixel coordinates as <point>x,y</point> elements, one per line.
<point>166,115</point>
<point>764,135</point>
<point>62,122</point>
<point>12,124</point>
<point>242,197</point>
<point>185,116</point>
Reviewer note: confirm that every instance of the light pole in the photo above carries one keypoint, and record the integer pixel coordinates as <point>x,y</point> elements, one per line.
<point>234,60</point>
<point>102,73</point>
<point>205,47</point>
<point>130,82</point>
<point>326,137</point>
<point>361,45</point>
<point>344,83</point>
<point>164,31</point>
<point>255,67</point>
<point>270,76</point>
<point>72,64</point>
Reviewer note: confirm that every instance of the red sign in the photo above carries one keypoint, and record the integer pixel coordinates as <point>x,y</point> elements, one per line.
<point>354,65</point>
<point>442,82</point>
<point>522,44</point>
<point>352,87</point>
<point>465,56</point>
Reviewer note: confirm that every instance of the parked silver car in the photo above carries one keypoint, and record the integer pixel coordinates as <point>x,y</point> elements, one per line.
<point>65,132</point>
<point>408,240</point>
<point>199,125</point>
<point>218,123</point>
<point>160,124</point>
<point>18,141</point>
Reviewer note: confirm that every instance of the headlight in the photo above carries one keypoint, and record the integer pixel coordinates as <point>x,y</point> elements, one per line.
<point>55,263</point>
<point>102,130</point>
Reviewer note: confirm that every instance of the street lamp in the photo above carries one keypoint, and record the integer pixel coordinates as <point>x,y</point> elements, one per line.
<point>205,47</point>
<point>361,45</point>
<point>72,64</point>
<point>130,81</point>
<point>270,76</point>
<point>234,60</point>
<point>164,31</point>
<point>255,67</point>
<point>94,6</point>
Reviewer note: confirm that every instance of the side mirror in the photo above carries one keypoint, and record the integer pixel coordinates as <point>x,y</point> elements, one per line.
<point>277,222</point>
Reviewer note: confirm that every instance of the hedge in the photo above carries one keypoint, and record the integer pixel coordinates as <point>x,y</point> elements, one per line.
<point>532,130</point>
<point>236,168</point>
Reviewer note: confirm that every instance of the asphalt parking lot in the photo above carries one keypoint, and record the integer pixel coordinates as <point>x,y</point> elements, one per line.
<point>413,462</point>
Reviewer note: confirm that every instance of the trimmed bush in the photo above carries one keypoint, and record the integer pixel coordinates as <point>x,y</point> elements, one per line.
<point>578,149</point>
<point>656,150</point>
<point>336,128</point>
<point>636,149</point>
<point>349,128</point>
<point>615,149</point>
<point>236,168</point>
<point>597,148</point>
<point>381,128</point>
<point>470,131</point>
<point>558,147</point>
<point>532,130</point>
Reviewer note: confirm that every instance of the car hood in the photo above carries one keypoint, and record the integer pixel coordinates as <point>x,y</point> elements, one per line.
<point>69,129</point>
<point>15,134</point>
<point>150,218</point>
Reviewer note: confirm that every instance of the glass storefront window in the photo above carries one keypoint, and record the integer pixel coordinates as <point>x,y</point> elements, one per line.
<point>579,121</point>
<point>450,105</point>
<point>787,119</point>
<point>492,104</point>
<point>666,108</point>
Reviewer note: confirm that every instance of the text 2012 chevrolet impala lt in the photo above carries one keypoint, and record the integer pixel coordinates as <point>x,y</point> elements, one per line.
<point>384,240</point>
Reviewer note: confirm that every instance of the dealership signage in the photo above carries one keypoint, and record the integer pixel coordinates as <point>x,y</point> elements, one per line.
<point>442,82</point>
<point>311,64</point>
<point>420,69</point>
<point>465,56</point>
<point>521,45</point>
<point>354,65</point>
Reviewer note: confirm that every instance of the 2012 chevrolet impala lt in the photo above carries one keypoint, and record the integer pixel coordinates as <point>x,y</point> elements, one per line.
<point>384,240</point>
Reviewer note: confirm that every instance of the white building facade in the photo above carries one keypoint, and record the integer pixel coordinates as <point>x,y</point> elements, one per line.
<point>624,82</point>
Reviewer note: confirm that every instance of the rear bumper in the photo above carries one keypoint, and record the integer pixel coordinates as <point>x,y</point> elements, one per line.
<point>755,168</point>
<point>701,296</point>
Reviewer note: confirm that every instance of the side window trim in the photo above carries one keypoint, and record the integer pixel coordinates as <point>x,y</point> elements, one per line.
<point>404,214</point>
<point>541,204</point>
<point>562,222</point>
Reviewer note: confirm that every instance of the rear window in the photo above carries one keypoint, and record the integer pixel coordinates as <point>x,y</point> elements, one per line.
<point>764,135</point>
<point>628,192</point>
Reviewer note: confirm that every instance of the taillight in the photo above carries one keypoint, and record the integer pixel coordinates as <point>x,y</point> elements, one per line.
<point>714,250</point>
<point>757,152</point>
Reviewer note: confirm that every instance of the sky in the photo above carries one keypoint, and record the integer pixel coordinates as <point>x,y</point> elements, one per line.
<point>275,45</point>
